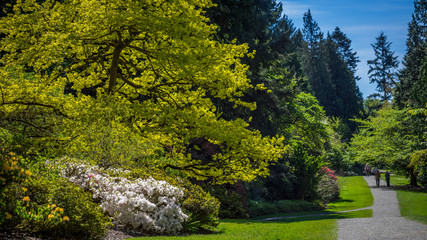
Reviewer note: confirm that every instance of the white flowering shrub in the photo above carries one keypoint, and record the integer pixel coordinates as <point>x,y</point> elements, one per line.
<point>148,205</point>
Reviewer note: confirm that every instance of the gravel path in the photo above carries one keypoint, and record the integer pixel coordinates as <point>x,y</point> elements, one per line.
<point>386,222</point>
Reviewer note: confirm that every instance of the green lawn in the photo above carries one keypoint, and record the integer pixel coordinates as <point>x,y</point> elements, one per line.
<point>250,229</point>
<point>398,180</point>
<point>413,205</point>
<point>355,193</point>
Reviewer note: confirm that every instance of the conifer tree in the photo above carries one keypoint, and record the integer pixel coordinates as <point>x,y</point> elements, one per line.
<point>381,69</point>
<point>315,65</point>
<point>344,46</point>
<point>347,94</point>
<point>412,88</point>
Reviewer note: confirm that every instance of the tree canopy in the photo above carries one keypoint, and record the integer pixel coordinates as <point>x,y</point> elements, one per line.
<point>137,68</point>
<point>381,69</point>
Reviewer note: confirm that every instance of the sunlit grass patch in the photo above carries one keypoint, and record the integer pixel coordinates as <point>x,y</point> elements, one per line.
<point>355,193</point>
<point>261,230</point>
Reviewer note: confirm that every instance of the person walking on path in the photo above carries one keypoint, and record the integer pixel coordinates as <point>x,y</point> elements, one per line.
<point>387,178</point>
<point>377,177</point>
<point>367,169</point>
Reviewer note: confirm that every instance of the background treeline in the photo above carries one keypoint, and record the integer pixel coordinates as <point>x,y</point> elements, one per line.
<point>312,97</point>
<point>315,103</point>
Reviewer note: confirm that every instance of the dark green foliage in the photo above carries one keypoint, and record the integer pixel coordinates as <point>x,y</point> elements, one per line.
<point>330,65</point>
<point>232,198</point>
<point>381,69</point>
<point>247,22</point>
<point>314,63</point>
<point>412,88</point>
<point>261,208</point>
<point>201,207</point>
<point>305,169</point>
<point>344,47</point>
<point>279,185</point>
<point>342,64</point>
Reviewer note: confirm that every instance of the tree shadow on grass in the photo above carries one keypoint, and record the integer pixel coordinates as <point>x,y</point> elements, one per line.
<point>365,213</point>
<point>343,201</point>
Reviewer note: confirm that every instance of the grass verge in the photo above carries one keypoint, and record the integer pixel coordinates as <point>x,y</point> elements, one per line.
<point>355,194</point>
<point>259,230</point>
<point>412,204</point>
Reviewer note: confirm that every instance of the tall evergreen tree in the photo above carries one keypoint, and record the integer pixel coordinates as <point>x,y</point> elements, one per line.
<point>412,88</point>
<point>344,46</point>
<point>315,65</point>
<point>381,69</point>
<point>348,97</point>
<point>248,22</point>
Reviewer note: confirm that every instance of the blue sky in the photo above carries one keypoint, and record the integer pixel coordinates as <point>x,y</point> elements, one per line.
<point>362,21</point>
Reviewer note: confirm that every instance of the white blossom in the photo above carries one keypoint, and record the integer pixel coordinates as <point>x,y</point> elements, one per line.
<point>144,204</point>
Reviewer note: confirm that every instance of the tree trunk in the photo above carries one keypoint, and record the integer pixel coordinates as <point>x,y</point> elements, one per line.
<point>114,68</point>
<point>413,181</point>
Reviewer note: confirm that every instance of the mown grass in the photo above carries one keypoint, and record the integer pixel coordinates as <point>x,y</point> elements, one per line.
<point>413,205</point>
<point>355,193</point>
<point>398,180</point>
<point>260,230</point>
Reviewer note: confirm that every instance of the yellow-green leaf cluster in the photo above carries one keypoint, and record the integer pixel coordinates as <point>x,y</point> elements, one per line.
<point>152,68</point>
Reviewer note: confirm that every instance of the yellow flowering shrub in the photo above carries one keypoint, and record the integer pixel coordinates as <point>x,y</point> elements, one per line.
<point>11,172</point>
<point>55,207</point>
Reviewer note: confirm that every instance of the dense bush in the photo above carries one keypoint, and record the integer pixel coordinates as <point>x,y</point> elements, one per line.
<point>48,204</point>
<point>144,204</point>
<point>11,173</point>
<point>261,208</point>
<point>81,215</point>
<point>201,207</point>
<point>232,198</point>
<point>328,189</point>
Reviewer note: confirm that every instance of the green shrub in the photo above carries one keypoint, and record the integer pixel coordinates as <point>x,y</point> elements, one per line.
<point>47,204</point>
<point>201,208</point>
<point>328,189</point>
<point>260,208</point>
<point>11,173</point>
<point>231,197</point>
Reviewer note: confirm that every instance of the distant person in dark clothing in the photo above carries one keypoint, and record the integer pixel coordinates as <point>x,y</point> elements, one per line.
<point>387,178</point>
<point>377,177</point>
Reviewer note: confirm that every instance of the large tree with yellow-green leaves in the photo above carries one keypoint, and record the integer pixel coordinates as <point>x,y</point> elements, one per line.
<point>114,78</point>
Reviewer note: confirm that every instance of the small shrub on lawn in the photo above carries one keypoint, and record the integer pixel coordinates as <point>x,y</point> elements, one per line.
<point>261,208</point>
<point>328,189</point>
<point>200,206</point>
